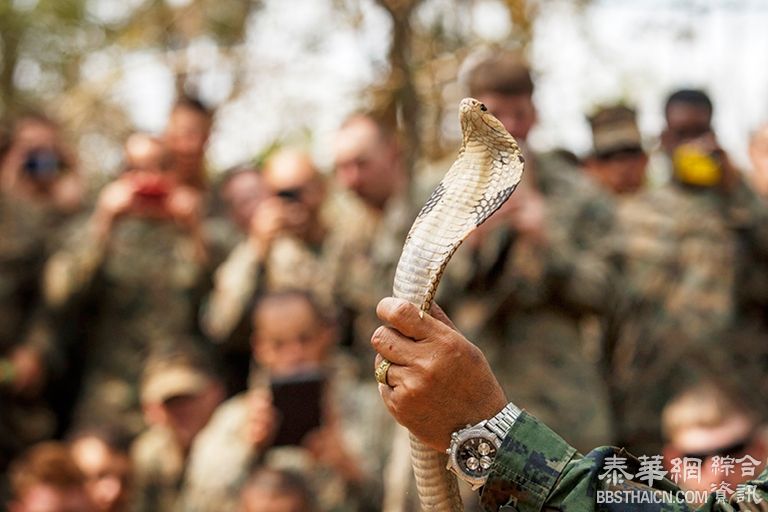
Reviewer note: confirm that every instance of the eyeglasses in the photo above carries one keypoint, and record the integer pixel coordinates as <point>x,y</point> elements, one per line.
<point>619,154</point>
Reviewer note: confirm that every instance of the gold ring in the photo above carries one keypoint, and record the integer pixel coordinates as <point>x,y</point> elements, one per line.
<point>381,372</point>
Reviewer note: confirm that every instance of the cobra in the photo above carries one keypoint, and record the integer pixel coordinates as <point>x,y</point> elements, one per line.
<point>487,170</point>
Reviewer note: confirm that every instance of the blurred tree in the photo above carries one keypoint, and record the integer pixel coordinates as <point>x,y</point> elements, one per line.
<point>45,47</point>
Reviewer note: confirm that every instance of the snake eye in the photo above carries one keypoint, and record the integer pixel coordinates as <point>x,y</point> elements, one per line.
<point>483,108</point>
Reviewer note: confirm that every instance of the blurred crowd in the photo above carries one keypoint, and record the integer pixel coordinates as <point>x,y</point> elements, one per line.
<point>172,342</point>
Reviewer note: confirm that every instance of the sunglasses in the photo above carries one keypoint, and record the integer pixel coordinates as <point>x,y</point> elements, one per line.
<point>620,153</point>
<point>736,448</point>
<point>290,194</point>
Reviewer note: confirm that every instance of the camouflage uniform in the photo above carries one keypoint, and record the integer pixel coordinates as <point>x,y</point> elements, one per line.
<point>221,455</point>
<point>138,292</point>
<point>681,251</point>
<point>536,470</point>
<point>291,264</point>
<point>524,303</point>
<point>376,239</point>
<point>158,468</point>
<point>25,231</point>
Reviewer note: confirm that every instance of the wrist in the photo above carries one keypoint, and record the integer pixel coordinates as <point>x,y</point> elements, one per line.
<point>474,448</point>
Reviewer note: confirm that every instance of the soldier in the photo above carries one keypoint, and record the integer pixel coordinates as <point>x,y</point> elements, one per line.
<point>186,137</point>
<point>293,342</point>
<point>617,162</point>
<point>40,187</point>
<point>524,281</point>
<point>707,425</point>
<point>46,479</point>
<point>133,273</point>
<point>179,394</point>
<point>272,490</point>
<point>368,162</point>
<point>685,250</point>
<point>291,244</point>
<point>102,455</point>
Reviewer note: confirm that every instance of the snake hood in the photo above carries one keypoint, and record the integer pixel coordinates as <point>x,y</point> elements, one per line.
<point>477,121</point>
<point>488,168</point>
<point>484,175</point>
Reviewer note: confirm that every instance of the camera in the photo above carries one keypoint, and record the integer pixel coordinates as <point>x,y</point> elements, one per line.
<point>152,188</point>
<point>43,164</point>
<point>291,195</point>
<point>694,167</point>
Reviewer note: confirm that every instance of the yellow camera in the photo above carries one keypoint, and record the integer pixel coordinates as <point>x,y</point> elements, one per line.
<point>693,167</point>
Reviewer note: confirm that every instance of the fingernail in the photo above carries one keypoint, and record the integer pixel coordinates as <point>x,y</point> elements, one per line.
<point>377,334</point>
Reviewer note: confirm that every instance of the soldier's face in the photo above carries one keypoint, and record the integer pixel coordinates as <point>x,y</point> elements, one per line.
<point>288,337</point>
<point>243,193</point>
<point>685,123</point>
<point>186,137</point>
<point>735,437</point>
<point>107,473</point>
<point>365,162</point>
<point>620,173</point>
<point>267,500</point>
<point>48,498</point>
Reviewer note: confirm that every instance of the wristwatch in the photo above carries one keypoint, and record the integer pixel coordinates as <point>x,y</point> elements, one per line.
<point>474,448</point>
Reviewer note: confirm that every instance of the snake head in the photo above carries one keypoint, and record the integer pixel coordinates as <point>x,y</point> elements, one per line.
<point>475,117</point>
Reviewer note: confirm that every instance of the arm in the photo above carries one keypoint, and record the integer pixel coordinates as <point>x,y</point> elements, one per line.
<point>440,382</point>
<point>239,278</point>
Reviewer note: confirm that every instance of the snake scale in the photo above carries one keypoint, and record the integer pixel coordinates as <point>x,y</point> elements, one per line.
<point>487,170</point>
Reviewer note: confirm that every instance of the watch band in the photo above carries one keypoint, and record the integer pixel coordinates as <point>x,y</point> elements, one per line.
<point>502,422</point>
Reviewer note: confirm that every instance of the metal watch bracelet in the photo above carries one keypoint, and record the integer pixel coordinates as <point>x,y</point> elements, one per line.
<point>502,422</point>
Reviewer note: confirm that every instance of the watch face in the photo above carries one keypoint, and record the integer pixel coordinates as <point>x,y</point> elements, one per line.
<point>475,456</point>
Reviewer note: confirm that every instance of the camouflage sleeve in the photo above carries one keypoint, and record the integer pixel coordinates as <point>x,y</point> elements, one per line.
<point>235,283</point>
<point>578,258</point>
<point>71,270</point>
<point>536,469</point>
<point>748,213</point>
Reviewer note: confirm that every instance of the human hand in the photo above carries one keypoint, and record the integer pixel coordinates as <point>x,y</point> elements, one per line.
<point>327,446</point>
<point>262,420</point>
<point>267,222</point>
<point>28,371</point>
<point>114,201</point>
<point>439,381</point>
<point>185,206</point>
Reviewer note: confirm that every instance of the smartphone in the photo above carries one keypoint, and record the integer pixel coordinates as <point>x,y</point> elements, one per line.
<point>298,399</point>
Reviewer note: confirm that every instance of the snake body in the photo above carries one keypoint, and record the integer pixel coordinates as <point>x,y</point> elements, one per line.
<point>487,170</point>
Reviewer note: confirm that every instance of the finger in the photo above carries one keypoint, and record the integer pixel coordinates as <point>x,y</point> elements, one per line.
<point>438,314</point>
<point>394,372</point>
<point>407,318</point>
<point>394,346</point>
<point>386,393</point>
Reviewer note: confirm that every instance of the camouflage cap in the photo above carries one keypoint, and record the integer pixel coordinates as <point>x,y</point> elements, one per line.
<point>172,376</point>
<point>614,129</point>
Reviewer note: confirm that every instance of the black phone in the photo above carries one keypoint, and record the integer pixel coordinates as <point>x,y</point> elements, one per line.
<point>298,399</point>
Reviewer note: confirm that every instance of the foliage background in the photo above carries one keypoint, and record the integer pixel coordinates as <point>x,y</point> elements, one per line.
<point>290,70</point>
